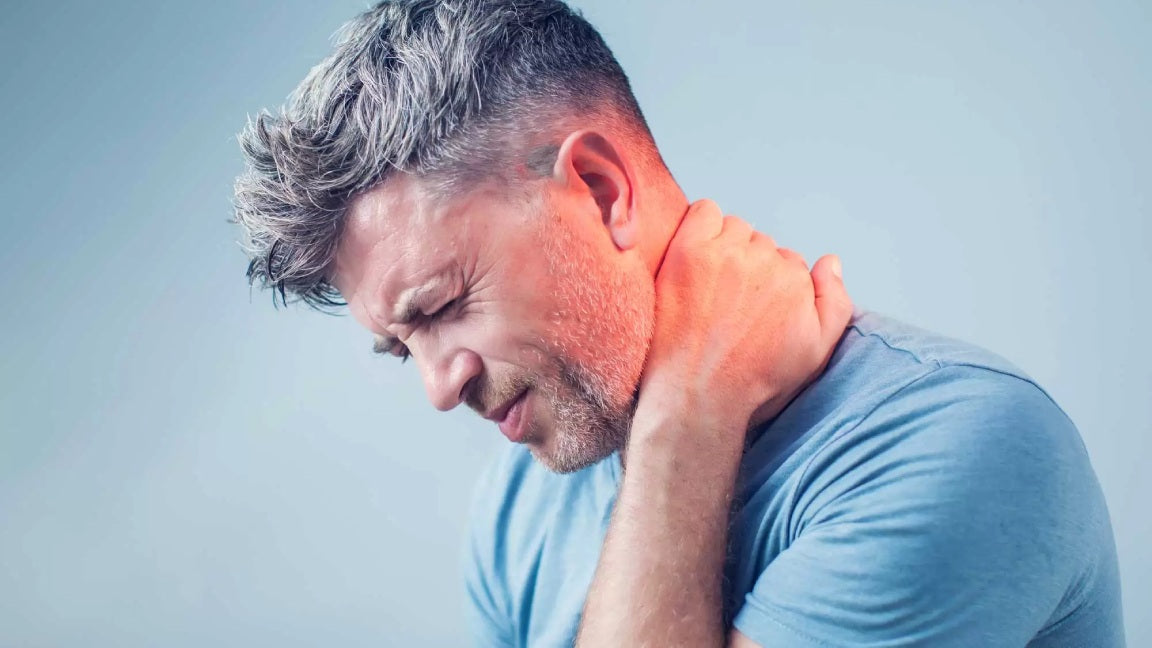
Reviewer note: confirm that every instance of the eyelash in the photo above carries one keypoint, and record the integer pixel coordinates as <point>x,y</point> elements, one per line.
<point>404,354</point>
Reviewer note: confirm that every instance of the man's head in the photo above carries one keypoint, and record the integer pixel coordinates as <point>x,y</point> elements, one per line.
<point>475,180</point>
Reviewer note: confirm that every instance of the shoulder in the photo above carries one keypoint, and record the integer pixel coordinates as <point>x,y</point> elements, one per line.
<point>908,418</point>
<point>960,486</point>
<point>977,464</point>
<point>957,422</point>
<point>887,378</point>
<point>944,389</point>
<point>882,338</point>
<point>880,359</point>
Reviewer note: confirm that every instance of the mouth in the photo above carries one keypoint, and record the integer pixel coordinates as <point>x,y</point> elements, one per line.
<point>512,424</point>
<point>498,414</point>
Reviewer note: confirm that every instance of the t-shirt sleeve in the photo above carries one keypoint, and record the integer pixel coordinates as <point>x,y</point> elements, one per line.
<point>961,512</point>
<point>486,608</point>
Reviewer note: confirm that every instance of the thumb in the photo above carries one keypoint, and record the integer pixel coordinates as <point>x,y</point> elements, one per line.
<point>702,221</point>
<point>833,305</point>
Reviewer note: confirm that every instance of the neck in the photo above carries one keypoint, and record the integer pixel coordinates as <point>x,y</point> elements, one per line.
<point>662,216</point>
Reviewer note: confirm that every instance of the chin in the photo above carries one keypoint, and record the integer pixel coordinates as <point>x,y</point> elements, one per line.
<point>566,466</point>
<point>570,457</point>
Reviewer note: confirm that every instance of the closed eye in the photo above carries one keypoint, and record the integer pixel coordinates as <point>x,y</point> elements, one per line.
<point>445,309</point>
<point>393,346</point>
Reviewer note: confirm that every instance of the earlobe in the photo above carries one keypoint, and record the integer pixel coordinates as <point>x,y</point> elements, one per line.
<point>593,166</point>
<point>623,231</point>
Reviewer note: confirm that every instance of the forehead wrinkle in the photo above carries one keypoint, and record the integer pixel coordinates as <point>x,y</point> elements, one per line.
<point>393,215</point>
<point>408,303</point>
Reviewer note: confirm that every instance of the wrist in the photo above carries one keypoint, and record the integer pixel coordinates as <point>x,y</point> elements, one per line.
<point>674,428</point>
<point>668,403</point>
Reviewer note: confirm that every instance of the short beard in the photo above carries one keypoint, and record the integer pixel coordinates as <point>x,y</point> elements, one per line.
<point>588,429</point>
<point>596,362</point>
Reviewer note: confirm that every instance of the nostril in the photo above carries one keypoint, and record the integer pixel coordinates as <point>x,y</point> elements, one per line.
<point>467,394</point>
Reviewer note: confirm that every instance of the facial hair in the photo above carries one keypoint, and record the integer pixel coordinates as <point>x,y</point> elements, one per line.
<point>602,326</point>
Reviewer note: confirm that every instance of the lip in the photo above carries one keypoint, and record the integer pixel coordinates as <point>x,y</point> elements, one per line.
<point>500,413</point>
<point>512,424</point>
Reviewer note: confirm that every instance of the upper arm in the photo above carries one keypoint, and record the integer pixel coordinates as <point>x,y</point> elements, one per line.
<point>958,521</point>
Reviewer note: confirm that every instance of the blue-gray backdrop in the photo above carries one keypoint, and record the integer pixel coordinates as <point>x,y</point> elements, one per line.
<point>181,465</point>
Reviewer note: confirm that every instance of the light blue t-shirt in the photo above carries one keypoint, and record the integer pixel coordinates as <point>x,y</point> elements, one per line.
<point>922,491</point>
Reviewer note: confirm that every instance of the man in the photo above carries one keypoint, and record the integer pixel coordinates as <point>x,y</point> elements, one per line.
<point>709,446</point>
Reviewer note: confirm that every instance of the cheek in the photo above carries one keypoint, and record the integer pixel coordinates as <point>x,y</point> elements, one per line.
<point>528,322</point>
<point>511,338</point>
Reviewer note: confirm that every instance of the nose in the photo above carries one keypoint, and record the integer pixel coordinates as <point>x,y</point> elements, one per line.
<point>445,378</point>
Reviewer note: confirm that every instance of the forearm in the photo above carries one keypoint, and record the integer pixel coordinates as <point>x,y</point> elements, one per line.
<point>658,581</point>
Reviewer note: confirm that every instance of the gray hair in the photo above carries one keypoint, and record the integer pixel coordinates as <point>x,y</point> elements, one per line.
<point>449,90</point>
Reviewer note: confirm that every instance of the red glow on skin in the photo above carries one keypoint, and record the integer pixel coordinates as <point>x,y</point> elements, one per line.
<point>554,296</point>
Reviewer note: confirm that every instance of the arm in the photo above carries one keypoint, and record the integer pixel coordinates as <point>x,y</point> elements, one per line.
<point>658,580</point>
<point>741,328</point>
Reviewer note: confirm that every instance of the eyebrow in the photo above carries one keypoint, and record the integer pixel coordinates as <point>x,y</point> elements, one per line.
<point>406,310</point>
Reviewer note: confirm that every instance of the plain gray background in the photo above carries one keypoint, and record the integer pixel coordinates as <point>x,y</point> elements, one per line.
<point>182,465</point>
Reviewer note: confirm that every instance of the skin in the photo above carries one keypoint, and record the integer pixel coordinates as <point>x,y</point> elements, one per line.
<point>635,321</point>
<point>741,329</point>
<point>550,300</point>
<point>556,298</point>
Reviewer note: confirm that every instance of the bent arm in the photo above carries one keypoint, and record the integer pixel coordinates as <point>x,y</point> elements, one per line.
<point>659,577</point>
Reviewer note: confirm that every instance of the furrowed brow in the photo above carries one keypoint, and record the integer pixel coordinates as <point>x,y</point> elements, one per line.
<point>408,304</point>
<point>407,310</point>
<point>408,307</point>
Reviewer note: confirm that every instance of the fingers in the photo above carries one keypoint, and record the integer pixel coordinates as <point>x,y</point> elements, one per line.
<point>833,305</point>
<point>763,239</point>
<point>792,255</point>
<point>736,228</point>
<point>703,221</point>
<point>739,229</point>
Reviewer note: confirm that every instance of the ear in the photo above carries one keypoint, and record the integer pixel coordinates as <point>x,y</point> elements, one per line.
<point>592,165</point>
